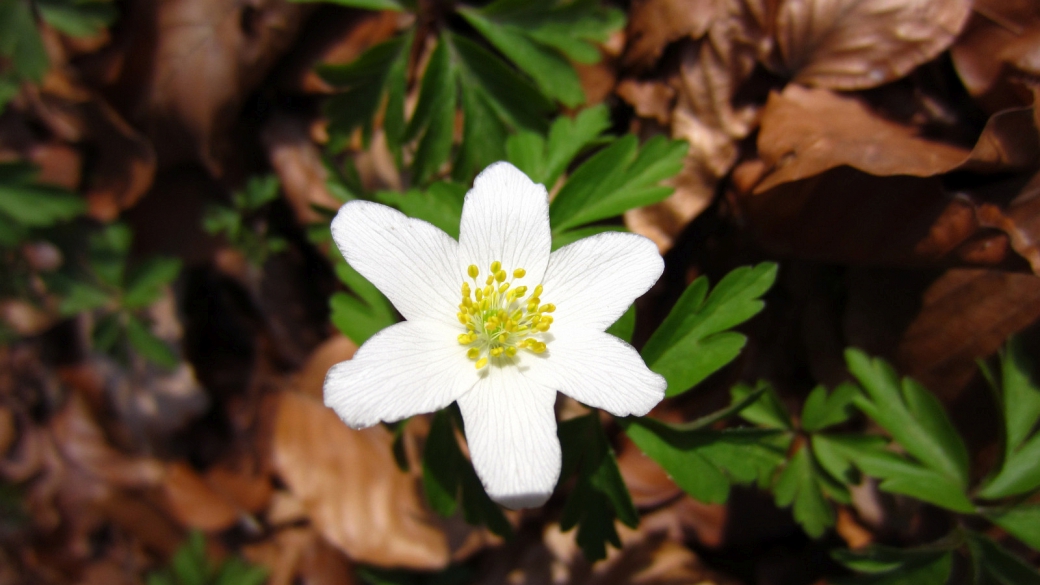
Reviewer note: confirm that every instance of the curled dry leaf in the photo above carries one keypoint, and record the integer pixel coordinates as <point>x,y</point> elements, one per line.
<point>651,99</point>
<point>856,44</point>
<point>184,68</point>
<point>354,493</point>
<point>838,183</point>
<point>711,72</point>
<point>299,555</point>
<point>298,163</point>
<point>653,24</point>
<point>808,131</point>
<point>968,314</point>
<point>999,44</point>
<point>193,502</point>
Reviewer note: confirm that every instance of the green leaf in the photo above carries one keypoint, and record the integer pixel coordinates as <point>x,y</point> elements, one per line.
<point>1021,521</point>
<point>147,282</point>
<point>237,572</point>
<point>362,4</point>
<point>569,237</point>
<point>356,319</point>
<point>600,494</point>
<point>616,179</point>
<point>898,474</point>
<point>434,113</point>
<point>82,297</point>
<point>550,71</point>
<point>822,410</point>
<point>108,250</point>
<point>148,345</point>
<point>77,18</point>
<point>892,566</point>
<point>367,79</point>
<point>692,342</point>
<point>189,563</point>
<point>31,204</point>
<point>513,98</point>
<point>625,326</point>
<point>767,411</point>
<point>1019,472</point>
<point>483,134</point>
<point>544,161</point>
<point>448,475</point>
<point>990,558</point>
<point>704,462</point>
<point>21,42</point>
<point>440,205</point>
<point>259,191</point>
<point>1021,394</point>
<point>799,484</point>
<point>440,476</point>
<point>912,415</point>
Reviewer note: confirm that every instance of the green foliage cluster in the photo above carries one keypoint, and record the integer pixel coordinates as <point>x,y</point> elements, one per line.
<point>101,282</point>
<point>502,66</point>
<point>191,566</point>
<point>244,224</point>
<point>23,57</point>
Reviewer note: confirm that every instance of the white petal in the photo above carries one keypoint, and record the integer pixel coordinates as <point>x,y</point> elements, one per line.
<point>412,262</point>
<point>593,281</point>
<point>408,368</point>
<point>506,217</point>
<point>597,369</point>
<point>511,432</point>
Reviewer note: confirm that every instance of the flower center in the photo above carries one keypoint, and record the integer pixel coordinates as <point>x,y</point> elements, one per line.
<point>499,319</point>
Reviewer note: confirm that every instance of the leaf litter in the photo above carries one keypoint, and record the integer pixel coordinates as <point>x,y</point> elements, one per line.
<point>907,226</point>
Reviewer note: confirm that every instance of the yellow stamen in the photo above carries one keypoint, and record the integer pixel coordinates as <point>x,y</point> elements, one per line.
<point>473,271</point>
<point>519,273</point>
<point>473,353</point>
<point>481,363</point>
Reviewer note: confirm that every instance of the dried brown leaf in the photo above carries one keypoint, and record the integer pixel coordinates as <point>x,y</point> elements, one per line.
<point>856,44</point>
<point>653,24</point>
<point>297,160</point>
<point>194,502</point>
<point>651,99</point>
<point>999,45</point>
<point>808,131</point>
<point>184,68</point>
<point>354,493</point>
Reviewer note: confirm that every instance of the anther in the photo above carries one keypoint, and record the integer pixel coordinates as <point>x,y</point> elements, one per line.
<point>500,276</point>
<point>495,267</point>
<point>495,352</point>
<point>547,308</point>
<point>511,350</point>
<point>473,353</point>
<point>481,363</point>
<point>519,273</point>
<point>472,271</point>
<point>503,287</point>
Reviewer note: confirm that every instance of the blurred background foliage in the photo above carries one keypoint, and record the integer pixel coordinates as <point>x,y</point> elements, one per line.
<point>828,181</point>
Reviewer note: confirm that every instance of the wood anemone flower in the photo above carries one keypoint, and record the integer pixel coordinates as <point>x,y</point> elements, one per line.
<point>497,323</point>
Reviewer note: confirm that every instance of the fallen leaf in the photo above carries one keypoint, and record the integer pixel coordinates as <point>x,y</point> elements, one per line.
<point>297,161</point>
<point>654,24</point>
<point>856,44</point>
<point>354,493</point>
<point>965,315</point>
<point>710,73</point>
<point>651,99</point>
<point>186,66</point>
<point>194,502</point>
<point>808,131</point>
<point>999,44</point>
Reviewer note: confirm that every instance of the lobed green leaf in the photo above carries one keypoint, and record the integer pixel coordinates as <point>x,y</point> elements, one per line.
<point>692,342</point>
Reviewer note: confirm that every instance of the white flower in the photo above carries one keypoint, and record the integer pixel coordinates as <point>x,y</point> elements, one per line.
<point>529,324</point>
